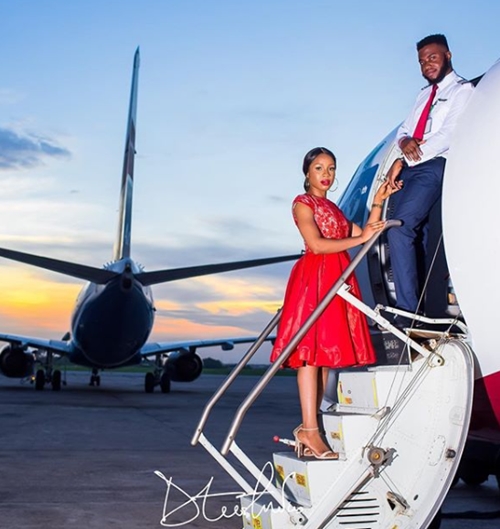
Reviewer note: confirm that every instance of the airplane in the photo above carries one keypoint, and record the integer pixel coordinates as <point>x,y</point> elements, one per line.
<point>428,412</point>
<point>114,312</point>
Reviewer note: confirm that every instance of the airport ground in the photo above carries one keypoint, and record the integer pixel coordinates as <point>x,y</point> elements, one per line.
<point>85,457</point>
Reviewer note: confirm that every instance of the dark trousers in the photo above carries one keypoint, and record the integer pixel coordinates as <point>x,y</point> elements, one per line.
<point>408,245</point>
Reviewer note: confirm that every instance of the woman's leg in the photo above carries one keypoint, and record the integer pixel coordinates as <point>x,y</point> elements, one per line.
<point>322,382</point>
<point>310,382</point>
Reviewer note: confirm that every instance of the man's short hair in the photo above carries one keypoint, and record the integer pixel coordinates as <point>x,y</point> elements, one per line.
<point>433,39</point>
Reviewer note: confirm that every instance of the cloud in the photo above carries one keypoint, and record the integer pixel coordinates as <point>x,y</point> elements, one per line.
<point>27,150</point>
<point>280,200</point>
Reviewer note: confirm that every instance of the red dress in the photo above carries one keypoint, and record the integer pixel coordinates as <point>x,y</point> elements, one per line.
<point>340,337</point>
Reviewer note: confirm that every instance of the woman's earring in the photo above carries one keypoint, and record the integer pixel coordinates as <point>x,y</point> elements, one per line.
<point>306,183</point>
<point>336,182</point>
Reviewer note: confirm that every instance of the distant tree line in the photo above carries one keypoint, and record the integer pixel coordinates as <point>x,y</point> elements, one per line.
<point>212,363</point>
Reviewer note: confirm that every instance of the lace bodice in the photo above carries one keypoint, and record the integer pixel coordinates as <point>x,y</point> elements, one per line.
<point>329,218</point>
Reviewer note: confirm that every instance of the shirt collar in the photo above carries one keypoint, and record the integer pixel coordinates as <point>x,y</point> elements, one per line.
<point>449,79</point>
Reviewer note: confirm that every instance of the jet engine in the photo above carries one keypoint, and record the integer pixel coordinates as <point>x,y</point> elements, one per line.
<point>15,362</point>
<point>183,366</point>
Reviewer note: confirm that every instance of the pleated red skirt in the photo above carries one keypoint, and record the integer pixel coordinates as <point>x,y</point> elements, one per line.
<point>340,337</point>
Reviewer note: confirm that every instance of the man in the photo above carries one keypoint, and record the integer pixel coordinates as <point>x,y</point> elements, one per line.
<point>424,140</point>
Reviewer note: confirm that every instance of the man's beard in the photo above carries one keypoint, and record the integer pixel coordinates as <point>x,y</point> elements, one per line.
<point>443,72</point>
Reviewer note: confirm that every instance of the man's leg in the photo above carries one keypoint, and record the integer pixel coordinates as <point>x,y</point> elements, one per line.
<point>436,268</point>
<point>421,190</point>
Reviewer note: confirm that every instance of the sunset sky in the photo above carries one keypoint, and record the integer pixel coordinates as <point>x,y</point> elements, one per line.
<point>232,94</point>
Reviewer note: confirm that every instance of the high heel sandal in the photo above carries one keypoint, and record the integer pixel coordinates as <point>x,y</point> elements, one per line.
<point>305,450</point>
<point>301,449</point>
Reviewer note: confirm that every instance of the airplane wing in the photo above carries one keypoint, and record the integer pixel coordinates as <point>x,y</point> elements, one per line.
<point>164,276</point>
<point>87,273</point>
<point>190,346</point>
<point>57,346</point>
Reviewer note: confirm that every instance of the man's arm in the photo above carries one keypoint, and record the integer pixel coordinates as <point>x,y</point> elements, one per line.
<point>409,146</point>
<point>404,128</point>
<point>439,143</point>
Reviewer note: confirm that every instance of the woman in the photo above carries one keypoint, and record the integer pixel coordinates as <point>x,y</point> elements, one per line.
<point>340,337</point>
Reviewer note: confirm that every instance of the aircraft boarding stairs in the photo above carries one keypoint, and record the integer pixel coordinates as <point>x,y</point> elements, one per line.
<point>399,430</point>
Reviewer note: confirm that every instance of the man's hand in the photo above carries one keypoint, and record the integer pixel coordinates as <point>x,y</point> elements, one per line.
<point>386,189</point>
<point>393,174</point>
<point>411,148</point>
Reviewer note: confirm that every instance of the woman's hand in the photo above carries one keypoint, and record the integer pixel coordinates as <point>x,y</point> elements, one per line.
<point>370,229</point>
<point>386,190</point>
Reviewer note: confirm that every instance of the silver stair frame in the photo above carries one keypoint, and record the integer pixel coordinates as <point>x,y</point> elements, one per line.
<point>367,467</point>
<point>229,443</point>
<point>343,292</point>
<point>232,376</point>
<point>272,370</point>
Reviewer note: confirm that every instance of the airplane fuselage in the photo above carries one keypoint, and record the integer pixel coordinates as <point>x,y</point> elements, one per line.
<point>111,322</point>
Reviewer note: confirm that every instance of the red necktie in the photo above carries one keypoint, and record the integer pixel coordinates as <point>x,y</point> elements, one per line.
<point>422,120</point>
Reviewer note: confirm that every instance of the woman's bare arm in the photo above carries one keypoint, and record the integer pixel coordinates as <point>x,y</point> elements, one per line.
<point>319,244</point>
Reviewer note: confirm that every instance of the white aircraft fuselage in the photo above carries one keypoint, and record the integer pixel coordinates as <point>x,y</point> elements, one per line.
<point>472,239</point>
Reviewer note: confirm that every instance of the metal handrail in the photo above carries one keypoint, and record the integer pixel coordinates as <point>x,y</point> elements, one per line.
<point>232,376</point>
<point>311,320</point>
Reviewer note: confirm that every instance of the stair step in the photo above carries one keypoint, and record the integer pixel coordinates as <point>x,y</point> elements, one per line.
<point>342,409</point>
<point>357,389</point>
<point>304,480</point>
<point>347,433</point>
<point>261,511</point>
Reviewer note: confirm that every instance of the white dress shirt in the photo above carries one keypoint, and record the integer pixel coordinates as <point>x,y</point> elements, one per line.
<point>451,97</point>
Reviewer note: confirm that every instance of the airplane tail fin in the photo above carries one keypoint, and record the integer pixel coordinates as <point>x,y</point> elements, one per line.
<point>122,244</point>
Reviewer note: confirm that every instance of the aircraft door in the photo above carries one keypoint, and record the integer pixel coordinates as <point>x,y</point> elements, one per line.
<point>375,275</point>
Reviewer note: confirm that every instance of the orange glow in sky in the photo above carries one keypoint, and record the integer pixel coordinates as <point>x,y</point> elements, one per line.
<point>33,304</point>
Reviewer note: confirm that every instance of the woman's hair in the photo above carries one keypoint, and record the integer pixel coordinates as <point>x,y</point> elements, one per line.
<point>309,158</point>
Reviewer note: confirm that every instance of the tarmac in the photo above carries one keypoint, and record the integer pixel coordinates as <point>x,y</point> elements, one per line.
<point>86,457</point>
